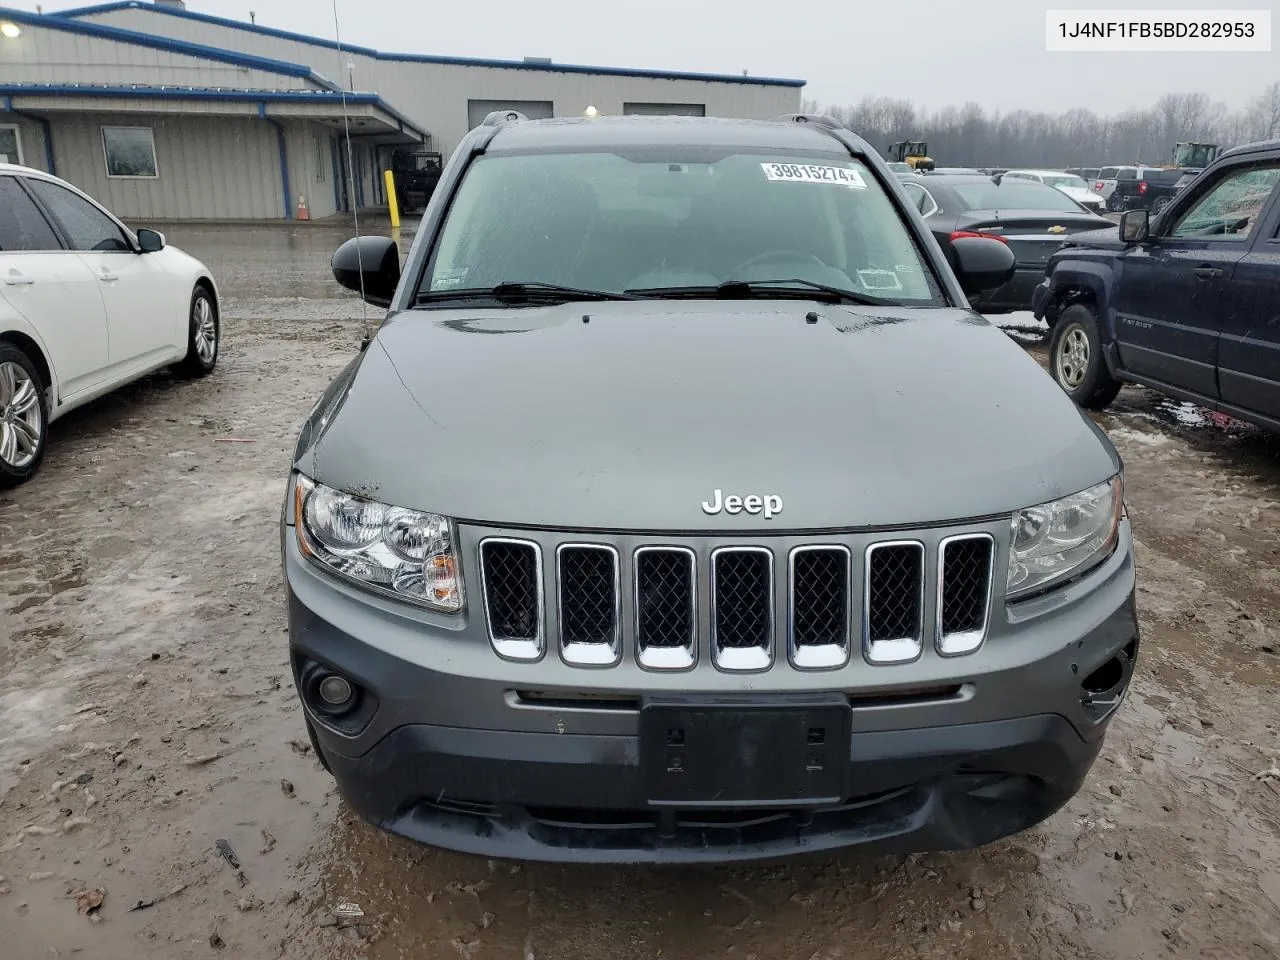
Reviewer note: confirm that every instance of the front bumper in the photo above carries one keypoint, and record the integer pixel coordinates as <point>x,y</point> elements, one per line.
<point>465,751</point>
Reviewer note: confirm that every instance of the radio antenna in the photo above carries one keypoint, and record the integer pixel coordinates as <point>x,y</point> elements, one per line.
<point>351,170</point>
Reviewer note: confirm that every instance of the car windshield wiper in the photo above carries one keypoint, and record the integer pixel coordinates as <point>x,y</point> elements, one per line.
<point>522,292</point>
<point>790,289</point>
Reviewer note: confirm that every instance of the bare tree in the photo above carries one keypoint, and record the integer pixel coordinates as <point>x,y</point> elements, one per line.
<point>971,136</point>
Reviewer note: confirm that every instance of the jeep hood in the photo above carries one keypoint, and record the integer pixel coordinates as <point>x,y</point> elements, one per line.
<point>632,418</point>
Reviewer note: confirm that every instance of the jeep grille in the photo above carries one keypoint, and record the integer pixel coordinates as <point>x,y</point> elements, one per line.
<point>512,581</point>
<point>819,586</point>
<point>589,621</point>
<point>964,587</point>
<point>893,602</point>
<point>742,607</point>
<point>883,597</point>
<point>666,608</point>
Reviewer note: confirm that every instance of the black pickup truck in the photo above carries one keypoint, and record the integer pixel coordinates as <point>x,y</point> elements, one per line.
<point>1144,188</point>
<point>1185,302</point>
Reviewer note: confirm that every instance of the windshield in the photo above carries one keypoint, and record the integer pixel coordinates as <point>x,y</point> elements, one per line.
<point>604,222</point>
<point>1065,180</point>
<point>1014,195</point>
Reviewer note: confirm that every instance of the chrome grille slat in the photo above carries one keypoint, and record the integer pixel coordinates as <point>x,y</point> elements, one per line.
<point>588,594</point>
<point>511,580</point>
<point>819,601</point>
<point>893,602</point>
<point>742,608</point>
<point>666,620</point>
<point>965,566</point>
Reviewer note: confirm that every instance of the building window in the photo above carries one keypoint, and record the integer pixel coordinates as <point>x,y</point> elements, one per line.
<point>664,109</point>
<point>10,145</point>
<point>130,152</point>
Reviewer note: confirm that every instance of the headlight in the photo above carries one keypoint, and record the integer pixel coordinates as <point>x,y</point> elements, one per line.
<point>399,552</point>
<point>1066,537</point>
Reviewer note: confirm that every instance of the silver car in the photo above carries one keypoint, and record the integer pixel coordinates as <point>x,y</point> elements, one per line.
<point>682,510</point>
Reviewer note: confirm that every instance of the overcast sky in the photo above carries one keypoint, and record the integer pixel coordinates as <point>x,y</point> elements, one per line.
<point>933,52</point>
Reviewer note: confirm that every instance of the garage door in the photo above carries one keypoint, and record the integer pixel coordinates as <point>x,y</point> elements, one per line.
<point>477,110</point>
<point>664,109</point>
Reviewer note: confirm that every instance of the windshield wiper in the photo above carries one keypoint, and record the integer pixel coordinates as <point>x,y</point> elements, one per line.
<point>790,289</point>
<point>522,292</point>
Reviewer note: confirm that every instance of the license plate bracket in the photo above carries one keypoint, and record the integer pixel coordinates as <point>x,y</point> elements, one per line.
<point>736,752</point>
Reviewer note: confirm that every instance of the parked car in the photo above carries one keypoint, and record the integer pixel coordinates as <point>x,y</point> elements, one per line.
<point>86,305</point>
<point>1184,302</point>
<point>1087,174</point>
<point>1144,188</point>
<point>1108,177</point>
<point>1032,218</point>
<point>1070,184</point>
<point>625,538</point>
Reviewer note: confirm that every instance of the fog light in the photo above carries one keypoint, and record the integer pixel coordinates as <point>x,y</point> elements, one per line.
<point>334,691</point>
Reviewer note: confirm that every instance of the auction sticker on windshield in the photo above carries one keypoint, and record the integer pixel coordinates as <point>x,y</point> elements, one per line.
<point>812,173</point>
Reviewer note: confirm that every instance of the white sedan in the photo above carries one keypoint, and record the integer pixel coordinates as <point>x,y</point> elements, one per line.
<point>1074,187</point>
<point>86,305</point>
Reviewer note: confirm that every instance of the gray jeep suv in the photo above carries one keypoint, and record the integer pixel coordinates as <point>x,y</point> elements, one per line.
<point>681,509</point>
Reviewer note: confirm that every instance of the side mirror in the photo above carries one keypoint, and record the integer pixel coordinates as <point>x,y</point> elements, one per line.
<point>1135,226</point>
<point>369,262</point>
<point>150,241</point>
<point>982,263</point>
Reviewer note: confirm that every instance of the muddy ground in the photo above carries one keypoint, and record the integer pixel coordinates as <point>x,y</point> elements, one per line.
<point>147,713</point>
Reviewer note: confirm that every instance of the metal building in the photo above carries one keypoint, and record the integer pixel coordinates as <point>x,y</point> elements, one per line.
<point>164,113</point>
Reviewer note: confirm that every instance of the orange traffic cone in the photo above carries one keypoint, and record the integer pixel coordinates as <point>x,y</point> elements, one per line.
<point>303,213</point>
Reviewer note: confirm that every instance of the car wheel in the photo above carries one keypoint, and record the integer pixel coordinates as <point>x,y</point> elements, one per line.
<point>1160,204</point>
<point>204,334</point>
<point>24,417</point>
<point>1113,204</point>
<point>1076,361</point>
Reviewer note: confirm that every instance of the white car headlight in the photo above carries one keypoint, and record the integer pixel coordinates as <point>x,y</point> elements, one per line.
<point>1064,538</point>
<point>403,553</point>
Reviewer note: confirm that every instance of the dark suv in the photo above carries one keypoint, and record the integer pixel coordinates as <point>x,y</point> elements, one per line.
<point>1187,302</point>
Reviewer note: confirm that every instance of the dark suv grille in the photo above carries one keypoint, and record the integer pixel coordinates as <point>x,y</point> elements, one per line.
<point>512,588</point>
<point>894,601</point>
<point>964,592</point>
<point>834,602</point>
<point>588,578</point>
<point>742,607</point>
<point>665,607</point>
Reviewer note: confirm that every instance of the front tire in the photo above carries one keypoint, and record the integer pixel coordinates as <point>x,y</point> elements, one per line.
<point>204,334</point>
<point>24,417</point>
<point>1076,361</point>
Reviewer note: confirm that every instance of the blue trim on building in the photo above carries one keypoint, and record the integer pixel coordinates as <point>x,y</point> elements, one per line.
<point>208,93</point>
<point>78,12</point>
<point>284,160</point>
<point>53,22</point>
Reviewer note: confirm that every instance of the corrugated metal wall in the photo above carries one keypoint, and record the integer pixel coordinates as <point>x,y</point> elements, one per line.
<point>405,85</point>
<point>435,96</point>
<point>209,168</point>
<point>41,55</point>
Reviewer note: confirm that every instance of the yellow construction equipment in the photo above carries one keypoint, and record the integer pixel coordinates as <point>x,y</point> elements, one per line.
<point>914,153</point>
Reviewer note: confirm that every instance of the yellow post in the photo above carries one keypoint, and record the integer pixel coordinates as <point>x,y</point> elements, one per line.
<point>392,205</point>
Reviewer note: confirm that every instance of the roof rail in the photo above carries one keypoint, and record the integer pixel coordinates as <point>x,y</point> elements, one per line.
<point>818,119</point>
<point>498,117</point>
